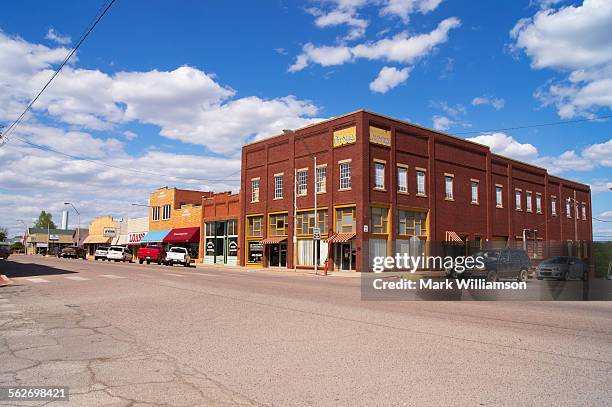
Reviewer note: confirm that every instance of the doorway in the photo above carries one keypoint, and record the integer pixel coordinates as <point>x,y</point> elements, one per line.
<point>277,255</point>
<point>345,256</point>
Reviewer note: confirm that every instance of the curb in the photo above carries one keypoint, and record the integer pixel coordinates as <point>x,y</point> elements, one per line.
<point>4,280</point>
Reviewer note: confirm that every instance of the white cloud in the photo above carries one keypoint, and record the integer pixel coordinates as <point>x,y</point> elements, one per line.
<point>591,157</point>
<point>388,78</point>
<point>130,135</point>
<point>342,12</point>
<point>598,186</point>
<point>187,103</point>
<point>576,40</point>
<point>403,8</point>
<point>57,37</point>
<point>452,110</point>
<point>442,123</point>
<point>401,48</point>
<point>497,103</point>
<point>607,215</point>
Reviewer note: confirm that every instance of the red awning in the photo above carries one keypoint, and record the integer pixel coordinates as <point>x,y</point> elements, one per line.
<point>342,237</point>
<point>183,235</point>
<point>453,237</point>
<point>274,240</point>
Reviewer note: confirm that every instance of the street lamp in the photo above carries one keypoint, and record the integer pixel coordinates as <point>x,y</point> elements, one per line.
<point>24,234</point>
<point>78,220</point>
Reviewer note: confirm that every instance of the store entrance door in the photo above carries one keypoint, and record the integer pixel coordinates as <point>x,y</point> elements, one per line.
<point>344,256</point>
<point>277,255</point>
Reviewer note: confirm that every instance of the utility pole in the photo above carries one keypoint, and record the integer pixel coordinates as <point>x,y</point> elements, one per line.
<point>294,219</point>
<point>316,241</point>
<point>78,220</point>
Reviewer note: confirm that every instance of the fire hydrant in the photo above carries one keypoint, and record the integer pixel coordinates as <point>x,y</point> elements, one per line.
<point>326,267</point>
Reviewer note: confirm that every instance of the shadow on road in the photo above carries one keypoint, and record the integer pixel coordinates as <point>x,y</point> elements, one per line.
<point>12,269</point>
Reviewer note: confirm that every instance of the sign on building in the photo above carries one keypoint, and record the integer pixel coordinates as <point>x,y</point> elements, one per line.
<point>345,136</point>
<point>109,232</point>
<point>53,237</point>
<point>380,136</point>
<point>135,238</point>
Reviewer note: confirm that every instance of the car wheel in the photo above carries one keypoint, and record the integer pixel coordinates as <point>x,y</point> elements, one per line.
<point>140,261</point>
<point>159,262</point>
<point>186,264</point>
<point>148,262</point>
<point>585,276</point>
<point>565,276</point>
<point>522,276</point>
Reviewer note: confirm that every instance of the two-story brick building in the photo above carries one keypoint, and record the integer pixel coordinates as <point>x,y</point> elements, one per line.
<point>384,186</point>
<point>219,240</point>
<point>175,217</point>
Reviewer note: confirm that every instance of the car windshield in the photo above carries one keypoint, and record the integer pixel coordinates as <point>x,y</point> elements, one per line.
<point>177,250</point>
<point>116,249</point>
<point>102,248</point>
<point>488,254</point>
<point>555,260</point>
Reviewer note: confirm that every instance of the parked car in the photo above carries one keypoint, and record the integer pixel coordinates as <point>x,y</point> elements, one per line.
<point>101,253</point>
<point>5,252</point>
<point>155,254</point>
<point>55,251</point>
<point>119,253</point>
<point>498,264</point>
<point>73,252</point>
<point>178,255</point>
<point>562,268</point>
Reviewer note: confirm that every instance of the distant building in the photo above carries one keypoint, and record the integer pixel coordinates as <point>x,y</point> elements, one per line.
<point>43,240</point>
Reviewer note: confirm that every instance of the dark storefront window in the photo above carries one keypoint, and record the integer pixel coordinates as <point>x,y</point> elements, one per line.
<point>345,220</point>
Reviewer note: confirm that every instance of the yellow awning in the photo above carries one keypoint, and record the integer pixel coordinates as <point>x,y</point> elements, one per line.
<point>97,239</point>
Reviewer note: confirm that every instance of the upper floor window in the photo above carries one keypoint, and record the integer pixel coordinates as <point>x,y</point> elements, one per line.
<point>412,223</point>
<point>474,187</point>
<point>420,176</point>
<point>499,196</point>
<point>305,222</point>
<point>448,186</point>
<point>379,175</point>
<point>518,197</point>
<point>278,186</point>
<point>528,205</point>
<point>255,226</point>
<point>538,202</point>
<point>345,175</point>
<point>302,182</point>
<point>402,179</point>
<point>166,212</point>
<point>321,180</point>
<point>568,208</point>
<point>584,214</point>
<point>155,212</point>
<point>255,190</point>
<point>553,205</point>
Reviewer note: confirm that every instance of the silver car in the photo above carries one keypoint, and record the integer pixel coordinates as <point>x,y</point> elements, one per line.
<point>563,268</point>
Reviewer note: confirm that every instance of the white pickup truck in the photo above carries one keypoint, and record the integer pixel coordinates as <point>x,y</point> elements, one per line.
<point>178,255</point>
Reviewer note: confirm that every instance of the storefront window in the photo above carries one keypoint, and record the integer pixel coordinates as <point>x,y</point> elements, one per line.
<point>380,220</point>
<point>305,222</point>
<point>254,226</point>
<point>278,224</point>
<point>412,223</point>
<point>345,220</point>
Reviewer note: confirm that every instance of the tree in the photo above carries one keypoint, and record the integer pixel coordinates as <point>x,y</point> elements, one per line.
<point>3,233</point>
<point>45,220</point>
<point>17,247</point>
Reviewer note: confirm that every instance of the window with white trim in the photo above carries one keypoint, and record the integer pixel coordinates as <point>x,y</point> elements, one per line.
<point>278,186</point>
<point>255,190</point>
<point>553,205</point>
<point>448,187</point>
<point>420,176</point>
<point>345,175</point>
<point>321,180</point>
<point>528,205</point>
<point>474,188</point>
<point>379,175</point>
<point>499,196</point>
<point>584,213</point>
<point>568,208</point>
<point>518,198</point>
<point>155,213</point>
<point>538,202</point>
<point>166,212</point>
<point>402,179</point>
<point>302,187</point>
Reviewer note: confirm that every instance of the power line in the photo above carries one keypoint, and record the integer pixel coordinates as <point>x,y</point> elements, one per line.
<point>536,125</point>
<point>46,148</point>
<point>601,220</point>
<point>101,12</point>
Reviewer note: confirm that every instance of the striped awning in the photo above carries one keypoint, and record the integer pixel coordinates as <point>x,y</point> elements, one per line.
<point>274,240</point>
<point>453,237</point>
<point>342,237</point>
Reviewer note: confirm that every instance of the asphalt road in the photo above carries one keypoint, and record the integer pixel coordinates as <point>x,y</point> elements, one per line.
<point>138,335</point>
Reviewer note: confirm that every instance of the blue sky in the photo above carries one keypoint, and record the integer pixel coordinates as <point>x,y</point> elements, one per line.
<point>160,84</point>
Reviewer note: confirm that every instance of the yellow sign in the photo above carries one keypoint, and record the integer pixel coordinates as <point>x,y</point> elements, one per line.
<point>380,136</point>
<point>345,136</point>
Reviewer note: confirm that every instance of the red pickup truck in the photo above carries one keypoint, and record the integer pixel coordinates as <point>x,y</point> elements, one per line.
<point>155,254</point>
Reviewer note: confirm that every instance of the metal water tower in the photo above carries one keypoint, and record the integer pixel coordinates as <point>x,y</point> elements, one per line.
<point>65,220</point>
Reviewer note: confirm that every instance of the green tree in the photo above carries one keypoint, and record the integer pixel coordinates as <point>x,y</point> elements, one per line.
<point>17,247</point>
<point>3,233</point>
<point>45,219</point>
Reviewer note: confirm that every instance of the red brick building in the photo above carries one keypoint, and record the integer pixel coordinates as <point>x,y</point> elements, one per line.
<point>219,233</point>
<point>384,186</point>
